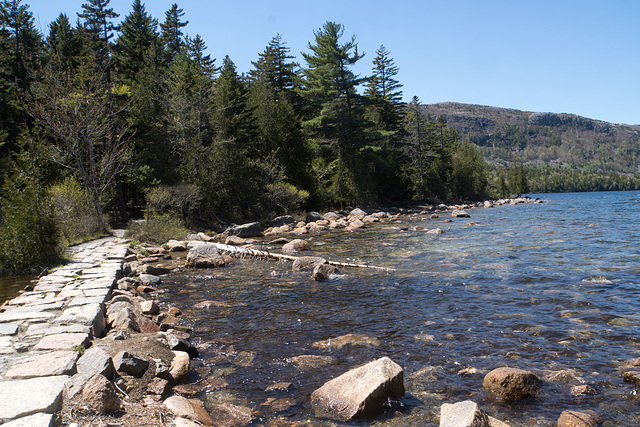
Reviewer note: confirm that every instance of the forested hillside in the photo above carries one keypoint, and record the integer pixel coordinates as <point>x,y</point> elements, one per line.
<point>561,152</point>
<point>103,120</point>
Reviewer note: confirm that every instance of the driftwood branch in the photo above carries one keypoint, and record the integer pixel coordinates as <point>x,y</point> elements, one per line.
<point>239,251</point>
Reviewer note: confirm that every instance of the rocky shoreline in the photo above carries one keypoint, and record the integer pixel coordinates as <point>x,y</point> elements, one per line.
<point>126,361</point>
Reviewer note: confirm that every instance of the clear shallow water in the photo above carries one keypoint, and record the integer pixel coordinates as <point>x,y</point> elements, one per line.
<point>545,287</point>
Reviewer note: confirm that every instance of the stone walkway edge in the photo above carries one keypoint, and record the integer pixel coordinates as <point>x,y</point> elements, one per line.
<point>42,331</point>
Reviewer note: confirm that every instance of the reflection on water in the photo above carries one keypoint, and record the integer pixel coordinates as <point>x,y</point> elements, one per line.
<point>532,286</point>
<point>10,286</point>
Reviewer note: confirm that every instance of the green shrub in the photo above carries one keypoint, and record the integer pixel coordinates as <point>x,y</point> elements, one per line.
<point>73,211</point>
<point>28,232</point>
<point>157,229</point>
<point>285,198</point>
<point>179,199</point>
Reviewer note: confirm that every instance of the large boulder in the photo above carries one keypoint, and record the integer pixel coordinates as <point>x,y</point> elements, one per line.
<point>313,217</point>
<point>463,414</point>
<point>130,364</point>
<point>512,384</point>
<point>252,229</point>
<point>204,256</point>
<point>459,213</point>
<point>360,393</point>
<point>282,220</point>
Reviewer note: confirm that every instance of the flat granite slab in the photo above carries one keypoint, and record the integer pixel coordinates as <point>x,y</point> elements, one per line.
<point>27,397</point>
<point>44,364</point>
<point>36,420</point>
<point>64,341</point>
<point>40,329</point>
<point>8,328</point>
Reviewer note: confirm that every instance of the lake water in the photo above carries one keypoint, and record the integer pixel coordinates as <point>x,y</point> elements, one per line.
<point>546,287</point>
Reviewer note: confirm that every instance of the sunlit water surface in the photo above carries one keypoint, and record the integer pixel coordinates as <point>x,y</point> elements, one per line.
<point>544,287</point>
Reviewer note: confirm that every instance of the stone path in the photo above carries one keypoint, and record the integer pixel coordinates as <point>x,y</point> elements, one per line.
<point>42,330</point>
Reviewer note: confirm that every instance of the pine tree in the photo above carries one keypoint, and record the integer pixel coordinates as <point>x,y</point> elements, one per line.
<point>335,113</point>
<point>171,34</point>
<point>137,42</point>
<point>98,22</point>
<point>384,93</point>
<point>276,103</point>
<point>63,43</point>
<point>24,40</point>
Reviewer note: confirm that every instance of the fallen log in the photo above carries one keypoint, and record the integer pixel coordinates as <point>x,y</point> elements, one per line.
<point>240,251</point>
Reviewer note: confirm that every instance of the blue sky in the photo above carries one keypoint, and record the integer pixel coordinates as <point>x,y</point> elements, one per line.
<point>561,56</point>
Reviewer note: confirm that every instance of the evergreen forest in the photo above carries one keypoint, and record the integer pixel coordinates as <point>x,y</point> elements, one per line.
<point>104,120</point>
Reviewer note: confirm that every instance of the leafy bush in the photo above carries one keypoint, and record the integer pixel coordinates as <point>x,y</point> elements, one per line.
<point>177,199</point>
<point>73,211</point>
<point>28,233</point>
<point>285,197</point>
<point>157,229</point>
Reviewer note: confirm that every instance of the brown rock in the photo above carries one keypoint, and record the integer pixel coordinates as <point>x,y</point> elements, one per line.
<point>279,386</point>
<point>100,395</point>
<point>174,311</point>
<point>360,393</point>
<point>155,271</point>
<point>244,359</point>
<point>230,415</point>
<point>349,339</point>
<point>150,307</point>
<point>308,361</point>
<point>159,386</point>
<point>577,419</point>
<point>631,377</point>
<point>235,241</point>
<point>512,384</point>
<point>147,325</point>
<point>356,225</point>
<point>322,272</point>
<point>191,409</point>
<point>583,390</point>
<point>296,245</point>
<point>307,263</point>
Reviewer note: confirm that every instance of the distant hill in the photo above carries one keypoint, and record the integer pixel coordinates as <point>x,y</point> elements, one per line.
<point>549,141</point>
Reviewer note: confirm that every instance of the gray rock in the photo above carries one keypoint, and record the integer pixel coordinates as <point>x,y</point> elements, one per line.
<point>331,216</point>
<point>313,217</point>
<point>357,212</point>
<point>463,414</point>
<point>512,384</point>
<point>459,213</point>
<point>235,241</point>
<point>95,361</point>
<point>252,229</point>
<point>179,344</point>
<point>204,256</point>
<point>160,387</point>
<point>150,279</point>
<point>100,395</point>
<point>150,307</point>
<point>8,328</point>
<point>130,364</point>
<point>436,231</point>
<point>307,263</point>
<point>282,220</point>
<point>360,393</point>
<point>27,397</point>
<point>124,320</point>
<point>176,246</point>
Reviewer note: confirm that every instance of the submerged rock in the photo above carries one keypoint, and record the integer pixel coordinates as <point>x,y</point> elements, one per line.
<point>349,339</point>
<point>307,263</point>
<point>309,361</point>
<point>577,419</point>
<point>512,384</point>
<point>363,392</point>
<point>322,272</point>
